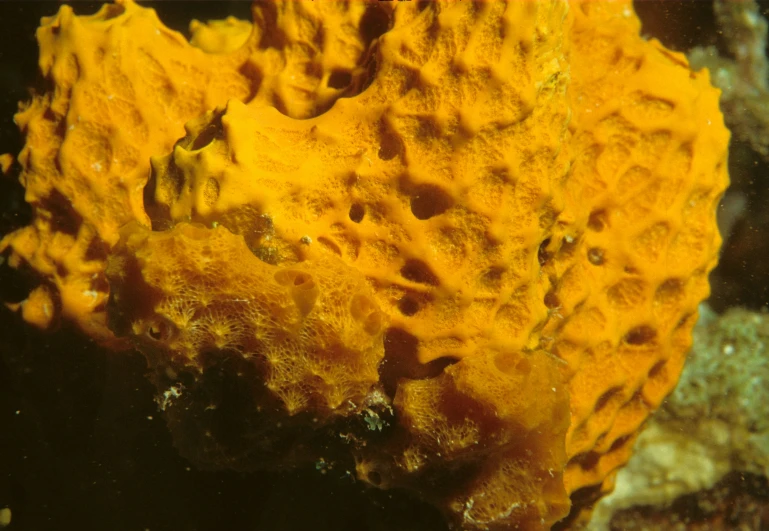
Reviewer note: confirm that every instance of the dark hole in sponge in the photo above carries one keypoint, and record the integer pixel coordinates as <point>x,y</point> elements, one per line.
<point>15,284</point>
<point>401,361</point>
<point>542,255</point>
<point>428,201</point>
<point>63,215</point>
<point>419,272</point>
<point>408,306</point>
<point>588,460</point>
<point>400,358</point>
<point>595,256</point>
<point>684,321</point>
<point>339,79</point>
<point>605,398</point>
<point>580,498</point>
<point>293,277</point>
<point>390,146</point>
<point>640,335</point>
<point>551,300</point>
<point>374,23</point>
<point>512,363</point>
<point>357,211</point>
<point>206,136</point>
<point>655,371</point>
<point>157,331</point>
<point>211,132</point>
<point>619,443</point>
<point>597,220</point>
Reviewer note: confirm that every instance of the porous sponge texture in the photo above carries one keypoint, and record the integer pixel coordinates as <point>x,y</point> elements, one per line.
<point>482,400</point>
<point>492,209</point>
<point>313,330</point>
<point>649,169</point>
<point>416,181</point>
<point>522,193</point>
<point>120,86</point>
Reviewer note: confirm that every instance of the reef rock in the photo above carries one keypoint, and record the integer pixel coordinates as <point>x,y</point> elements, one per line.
<point>712,425</point>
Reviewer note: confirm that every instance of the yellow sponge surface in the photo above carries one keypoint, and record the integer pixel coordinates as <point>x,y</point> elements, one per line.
<point>483,228</point>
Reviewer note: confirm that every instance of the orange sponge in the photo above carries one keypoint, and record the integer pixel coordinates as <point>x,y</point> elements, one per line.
<point>121,85</point>
<point>470,238</point>
<point>314,328</point>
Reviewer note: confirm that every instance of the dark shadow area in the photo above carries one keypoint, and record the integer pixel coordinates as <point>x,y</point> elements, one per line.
<point>679,24</point>
<point>739,501</point>
<point>742,275</point>
<point>85,448</point>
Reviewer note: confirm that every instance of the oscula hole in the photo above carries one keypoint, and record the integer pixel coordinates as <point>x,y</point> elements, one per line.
<point>339,79</point>
<point>305,296</point>
<point>419,272</point>
<point>304,283</point>
<point>428,201</point>
<point>656,371</point>
<point>597,221</point>
<point>160,330</point>
<point>206,136</point>
<point>357,212</point>
<point>390,147</point>
<point>408,306</point>
<point>595,256</point>
<point>292,277</point>
<point>604,400</point>
<point>543,256</point>
<point>364,310</point>
<point>640,335</point>
<point>303,288</point>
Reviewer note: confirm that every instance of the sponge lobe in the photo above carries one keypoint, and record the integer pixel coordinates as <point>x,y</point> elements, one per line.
<point>487,436</point>
<point>193,296</point>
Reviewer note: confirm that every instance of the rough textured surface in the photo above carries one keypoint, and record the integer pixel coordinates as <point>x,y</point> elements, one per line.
<point>649,170</point>
<point>198,291</point>
<point>120,88</point>
<point>713,424</point>
<point>531,210</point>
<point>728,382</point>
<point>198,300</point>
<point>738,502</point>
